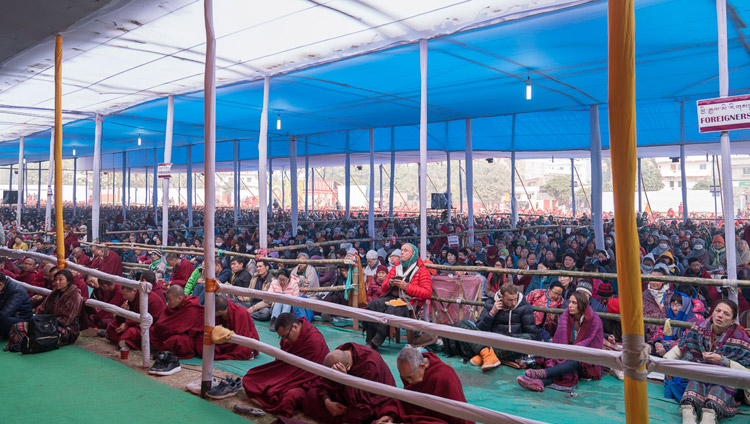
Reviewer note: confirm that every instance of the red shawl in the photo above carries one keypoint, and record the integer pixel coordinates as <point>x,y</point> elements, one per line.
<point>182,273</point>
<point>187,319</point>
<point>360,404</point>
<point>242,324</point>
<point>78,281</point>
<point>439,380</point>
<point>156,307</point>
<point>70,242</point>
<point>112,264</point>
<point>269,383</point>
<point>84,260</point>
<point>92,317</point>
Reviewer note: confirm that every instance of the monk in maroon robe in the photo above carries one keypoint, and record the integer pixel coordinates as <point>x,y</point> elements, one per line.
<point>181,269</point>
<point>104,291</point>
<point>126,333</point>
<point>237,319</point>
<point>10,266</point>
<point>110,261</point>
<point>80,257</point>
<point>331,402</point>
<point>29,273</point>
<point>180,328</point>
<point>280,387</point>
<point>424,373</point>
<point>79,282</point>
<point>71,240</point>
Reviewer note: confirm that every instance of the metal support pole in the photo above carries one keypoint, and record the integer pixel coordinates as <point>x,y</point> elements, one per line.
<point>371,211</point>
<point>380,203</point>
<point>392,176</point>
<point>572,187</point>
<point>293,183</point>
<point>448,185</point>
<point>730,232</point>
<point>156,199</point>
<point>460,190</point>
<point>235,166</point>
<point>513,201</point>
<point>683,181</point>
<point>165,181</point>
<point>283,189</point>
<point>270,186</point>
<point>307,183</point>
<point>124,188</point>
<point>423,153</point>
<point>20,183</point>
<point>10,178</point>
<point>50,176</point>
<point>470,182</point>
<point>596,178</point>
<point>39,190</point>
<point>640,189</point>
<point>348,179</point>
<point>262,175</point>
<point>96,174</point>
<point>190,185</point>
<point>713,174</point>
<point>75,185</point>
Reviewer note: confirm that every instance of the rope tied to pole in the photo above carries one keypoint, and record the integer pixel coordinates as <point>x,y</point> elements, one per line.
<point>207,330</point>
<point>635,357</point>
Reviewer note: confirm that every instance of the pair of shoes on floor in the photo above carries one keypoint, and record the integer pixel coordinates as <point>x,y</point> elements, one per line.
<point>195,386</point>
<point>101,333</point>
<point>226,388</point>
<point>165,363</point>
<point>486,359</point>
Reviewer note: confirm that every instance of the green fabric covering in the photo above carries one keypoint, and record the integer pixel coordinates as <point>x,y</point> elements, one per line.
<point>73,385</point>
<point>596,401</point>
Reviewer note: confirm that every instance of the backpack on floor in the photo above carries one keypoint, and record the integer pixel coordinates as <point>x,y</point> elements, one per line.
<point>42,335</point>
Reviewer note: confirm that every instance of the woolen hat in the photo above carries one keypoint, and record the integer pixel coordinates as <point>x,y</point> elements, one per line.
<point>605,290</point>
<point>585,286</point>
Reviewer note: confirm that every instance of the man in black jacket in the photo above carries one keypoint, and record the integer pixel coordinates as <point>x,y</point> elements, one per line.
<point>507,314</point>
<point>15,305</point>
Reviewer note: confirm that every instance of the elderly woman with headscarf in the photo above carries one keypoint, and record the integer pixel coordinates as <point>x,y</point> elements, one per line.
<point>718,341</point>
<point>743,254</point>
<point>406,287</point>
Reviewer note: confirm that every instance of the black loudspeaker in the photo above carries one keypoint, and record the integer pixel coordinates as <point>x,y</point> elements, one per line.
<point>10,197</point>
<point>439,201</point>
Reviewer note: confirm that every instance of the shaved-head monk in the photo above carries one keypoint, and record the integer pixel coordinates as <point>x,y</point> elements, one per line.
<point>79,256</point>
<point>181,269</point>
<point>180,328</point>
<point>331,402</point>
<point>280,387</point>
<point>126,333</point>
<point>424,373</point>
<point>109,261</point>
<point>237,319</point>
<point>104,291</point>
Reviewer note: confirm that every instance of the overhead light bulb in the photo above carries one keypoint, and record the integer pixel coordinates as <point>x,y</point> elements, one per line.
<point>74,152</point>
<point>528,88</point>
<point>139,140</point>
<point>278,122</point>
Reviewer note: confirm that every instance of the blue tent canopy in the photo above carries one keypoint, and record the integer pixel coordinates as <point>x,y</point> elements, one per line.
<point>480,75</point>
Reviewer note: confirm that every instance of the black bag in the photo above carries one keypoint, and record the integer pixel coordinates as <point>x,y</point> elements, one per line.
<point>42,335</point>
<point>456,347</point>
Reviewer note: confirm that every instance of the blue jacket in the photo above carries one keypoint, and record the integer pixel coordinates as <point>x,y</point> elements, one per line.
<point>14,301</point>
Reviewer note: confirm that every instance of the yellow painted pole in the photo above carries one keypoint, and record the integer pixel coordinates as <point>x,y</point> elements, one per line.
<point>624,164</point>
<point>58,155</point>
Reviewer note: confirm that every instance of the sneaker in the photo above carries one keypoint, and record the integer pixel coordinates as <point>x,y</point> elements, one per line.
<point>489,359</point>
<point>101,333</point>
<point>168,366</point>
<point>195,386</point>
<point>226,388</point>
<point>476,361</point>
<point>531,384</point>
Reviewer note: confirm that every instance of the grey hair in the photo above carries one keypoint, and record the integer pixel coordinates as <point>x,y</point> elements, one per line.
<point>411,356</point>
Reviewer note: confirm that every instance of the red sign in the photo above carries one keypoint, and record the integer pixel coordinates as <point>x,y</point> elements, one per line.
<point>724,114</point>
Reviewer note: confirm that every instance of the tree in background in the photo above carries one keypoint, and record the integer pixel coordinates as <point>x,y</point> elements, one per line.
<point>558,187</point>
<point>702,185</point>
<point>652,178</point>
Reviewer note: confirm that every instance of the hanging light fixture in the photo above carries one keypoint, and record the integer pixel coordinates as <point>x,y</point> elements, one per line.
<point>139,139</point>
<point>74,152</point>
<point>528,88</point>
<point>278,121</point>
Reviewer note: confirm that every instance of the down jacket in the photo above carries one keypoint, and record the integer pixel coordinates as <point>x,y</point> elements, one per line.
<point>519,320</point>
<point>14,301</point>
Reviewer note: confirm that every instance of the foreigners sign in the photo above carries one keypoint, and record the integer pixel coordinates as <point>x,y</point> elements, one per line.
<point>164,170</point>
<point>724,114</point>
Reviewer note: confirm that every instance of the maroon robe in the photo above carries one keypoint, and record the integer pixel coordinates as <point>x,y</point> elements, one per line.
<point>280,387</point>
<point>34,278</point>
<point>112,264</point>
<point>360,404</point>
<point>84,261</point>
<point>81,284</point>
<point>182,273</point>
<point>132,336</point>
<point>70,242</point>
<point>241,323</point>
<point>10,266</point>
<point>180,330</point>
<point>439,380</point>
<point>100,318</point>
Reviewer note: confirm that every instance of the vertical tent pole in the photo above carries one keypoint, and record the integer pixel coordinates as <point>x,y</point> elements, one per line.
<point>348,179</point>
<point>312,194</point>
<point>96,189</point>
<point>730,232</point>
<point>50,179</point>
<point>165,181</point>
<point>114,180</point>
<point>236,180</point>
<point>86,188</point>
<point>572,187</point>
<point>10,178</point>
<point>270,186</point>
<point>640,189</point>
<point>393,174</point>
<point>209,169</point>
<point>156,199</point>
<point>513,200</point>
<point>58,156</point>
<point>460,190</point>
<point>623,150</point>
<point>129,187</point>
<point>307,184</point>
<point>682,163</point>
<point>448,184</point>
<point>596,177</point>
<point>262,176</point>
<point>380,203</point>
<point>190,185</point>
<point>283,189</point>
<point>75,185</point>
<point>371,212</point>
<point>713,174</point>
<point>293,183</point>
<point>470,182</point>
<point>124,188</point>
<point>39,190</point>
<point>423,151</point>
<point>20,183</point>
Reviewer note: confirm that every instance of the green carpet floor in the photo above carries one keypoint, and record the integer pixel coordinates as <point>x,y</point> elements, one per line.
<point>595,402</point>
<point>73,385</point>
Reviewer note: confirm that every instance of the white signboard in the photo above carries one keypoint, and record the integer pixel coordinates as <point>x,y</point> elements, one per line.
<point>164,170</point>
<point>453,240</point>
<point>724,114</point>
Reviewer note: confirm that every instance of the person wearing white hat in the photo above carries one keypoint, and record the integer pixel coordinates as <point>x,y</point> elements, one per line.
<point>394,257</point>
<point>372,264</point>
